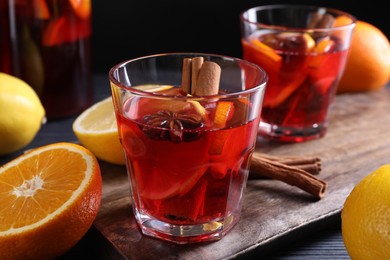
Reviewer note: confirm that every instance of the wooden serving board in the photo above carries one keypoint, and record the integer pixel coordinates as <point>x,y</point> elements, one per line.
<point>357,142</point>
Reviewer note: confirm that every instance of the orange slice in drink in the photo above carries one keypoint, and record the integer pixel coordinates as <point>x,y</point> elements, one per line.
<point>223,113</point>
<point>342,20</point>
<point>266,58</point>
<point>275,96</point>
<point>189,207</point>
<point>284,80</point>
<point>159,183</point>
<point>266,50</point>
<point>41,11</point>
<point>49,199</point>
<point>82,8</point>
<point>65,29</point>
<point>324,46</point>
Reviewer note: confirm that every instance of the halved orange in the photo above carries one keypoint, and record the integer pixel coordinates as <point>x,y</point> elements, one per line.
<point>49,199</point>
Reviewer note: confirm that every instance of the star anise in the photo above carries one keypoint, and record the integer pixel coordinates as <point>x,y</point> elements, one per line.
<point>172,126</point>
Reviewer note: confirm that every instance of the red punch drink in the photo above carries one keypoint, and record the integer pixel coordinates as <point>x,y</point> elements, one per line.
<point>187,169</point>
<point>196,165</point>
<point>47,44</point>
<point>187,156</point>
<point>303,77</point>
<point>304,51</point>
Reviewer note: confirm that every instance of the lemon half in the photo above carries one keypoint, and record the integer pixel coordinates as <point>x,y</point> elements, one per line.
<point>96,129</point>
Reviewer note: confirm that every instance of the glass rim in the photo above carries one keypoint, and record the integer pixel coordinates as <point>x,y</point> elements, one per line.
<point>298,6</point>
<point>138,92</point>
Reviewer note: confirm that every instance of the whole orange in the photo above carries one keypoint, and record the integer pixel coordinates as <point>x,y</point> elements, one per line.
<point>368,62</point>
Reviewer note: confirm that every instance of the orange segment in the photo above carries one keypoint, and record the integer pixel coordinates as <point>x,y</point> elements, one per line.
<point>81,7</point>
<point>49,199</point>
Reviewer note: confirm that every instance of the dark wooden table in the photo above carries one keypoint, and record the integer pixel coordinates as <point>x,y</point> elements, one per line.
<point>321,239</point>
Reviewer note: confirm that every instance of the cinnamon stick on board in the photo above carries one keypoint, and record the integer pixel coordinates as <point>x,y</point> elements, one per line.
<point>294,176</point>
<point>308,163</point>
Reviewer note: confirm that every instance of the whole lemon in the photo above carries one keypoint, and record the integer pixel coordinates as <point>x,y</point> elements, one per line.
<point>21,114</point>
<point>365,217</point>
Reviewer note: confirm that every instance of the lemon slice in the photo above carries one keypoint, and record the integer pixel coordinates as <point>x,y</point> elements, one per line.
<point>153,88</point>
<point>96,129</point>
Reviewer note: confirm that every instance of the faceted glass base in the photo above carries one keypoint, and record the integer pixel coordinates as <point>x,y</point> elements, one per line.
<point>290,134</point>
<point>184,234</point>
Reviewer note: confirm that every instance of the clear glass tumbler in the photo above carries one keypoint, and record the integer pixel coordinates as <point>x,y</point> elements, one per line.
<point>304,51</point>
<point>187,152</point>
